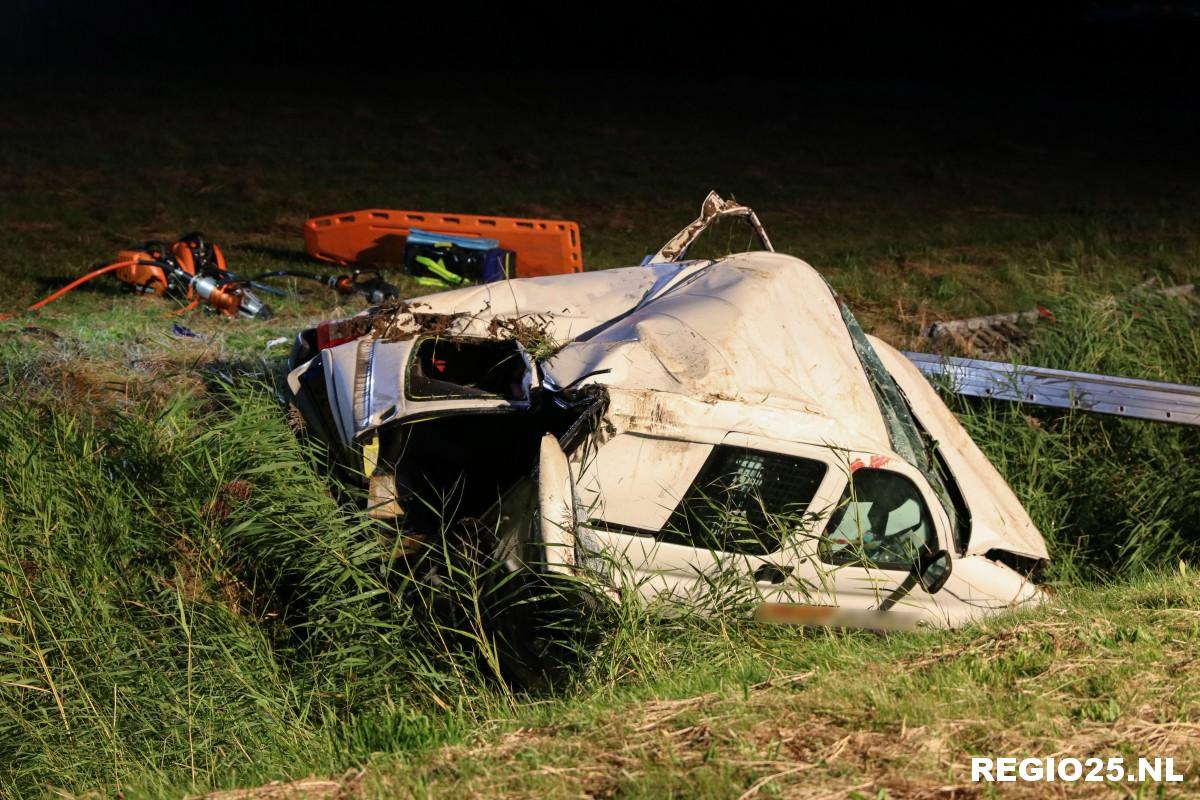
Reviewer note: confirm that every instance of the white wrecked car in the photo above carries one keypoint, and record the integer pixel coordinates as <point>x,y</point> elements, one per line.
<point>682,427</point>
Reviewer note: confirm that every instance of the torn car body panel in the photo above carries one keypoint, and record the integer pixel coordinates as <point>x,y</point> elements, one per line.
<point>712,209</point>
<point>998,520</point>
<point>372,381</point>
<point>556,520</point>
<point>368,367</point>
<point>680,429</point>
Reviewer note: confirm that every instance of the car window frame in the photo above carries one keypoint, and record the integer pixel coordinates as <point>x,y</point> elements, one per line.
<point>820,507</point>
<point>664,536</point>
<point>481,397</point>
<point>937,514</point>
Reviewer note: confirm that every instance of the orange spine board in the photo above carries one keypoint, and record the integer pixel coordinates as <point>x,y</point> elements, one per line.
<point>375,236</point>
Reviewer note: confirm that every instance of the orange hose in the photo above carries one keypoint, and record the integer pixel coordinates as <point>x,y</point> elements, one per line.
<point>78,281</point>
<point>188,307</point>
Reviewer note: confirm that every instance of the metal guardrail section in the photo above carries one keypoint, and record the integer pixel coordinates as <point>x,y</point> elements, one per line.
<point>1103,394</point>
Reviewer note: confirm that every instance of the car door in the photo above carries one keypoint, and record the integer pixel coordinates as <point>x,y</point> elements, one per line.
<point>705,523</point>
<point>884,522</point>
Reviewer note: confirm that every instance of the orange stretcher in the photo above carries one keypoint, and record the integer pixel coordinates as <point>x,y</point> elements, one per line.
<point>377,236</point>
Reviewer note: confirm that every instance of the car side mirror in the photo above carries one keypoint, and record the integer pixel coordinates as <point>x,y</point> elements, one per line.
<point>932,570</point>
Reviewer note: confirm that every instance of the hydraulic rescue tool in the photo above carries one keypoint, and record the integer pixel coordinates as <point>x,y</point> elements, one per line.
<point>192,269</point>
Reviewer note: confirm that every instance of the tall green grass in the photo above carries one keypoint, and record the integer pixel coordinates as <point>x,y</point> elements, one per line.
<point>183,603</point>
<point>1112,495</point>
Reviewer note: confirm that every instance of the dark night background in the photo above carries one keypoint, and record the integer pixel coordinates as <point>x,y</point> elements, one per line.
<point>1034,69</point>
<point>864,122</point>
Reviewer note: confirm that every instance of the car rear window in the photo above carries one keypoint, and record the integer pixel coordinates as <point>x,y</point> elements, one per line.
<point>724,498</point>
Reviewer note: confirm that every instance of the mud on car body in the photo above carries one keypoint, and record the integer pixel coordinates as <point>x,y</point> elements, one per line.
<point>656,427</point>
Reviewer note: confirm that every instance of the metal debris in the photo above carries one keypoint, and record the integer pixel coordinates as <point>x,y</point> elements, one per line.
<point>996,335</point>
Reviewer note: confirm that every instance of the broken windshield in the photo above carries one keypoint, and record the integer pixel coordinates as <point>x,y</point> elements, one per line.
<point>903,430</point>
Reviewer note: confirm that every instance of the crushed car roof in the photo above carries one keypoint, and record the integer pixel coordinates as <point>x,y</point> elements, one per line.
<point>758,329</point>
<point>761,329</point>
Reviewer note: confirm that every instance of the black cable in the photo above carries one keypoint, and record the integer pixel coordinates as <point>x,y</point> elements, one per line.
<point>374,288</point>
<point>291,273</point>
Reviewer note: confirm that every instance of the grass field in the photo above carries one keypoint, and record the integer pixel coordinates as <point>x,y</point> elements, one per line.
<point>184,607</point>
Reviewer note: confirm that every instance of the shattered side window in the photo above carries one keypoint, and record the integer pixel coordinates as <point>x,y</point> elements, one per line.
<point>745,501</point>
<point>445,368</point>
